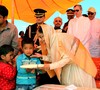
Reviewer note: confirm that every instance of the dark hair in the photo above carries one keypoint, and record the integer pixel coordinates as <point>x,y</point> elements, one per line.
<point>27,41</point>
<point>21,32</point>
<point>5,49</point>
<point>3,11</point>
<point>69,10</point>
<point>85,15</point>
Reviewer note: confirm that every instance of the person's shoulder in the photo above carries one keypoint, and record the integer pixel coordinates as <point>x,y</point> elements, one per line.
<point>46,26</point>
<point>19,56</point>
<point>97,20</point>
<point>10,25</point>
<point>85,19</point>
<point>3,65</point>
<point>72,20</point>
<point>33,25</point>
<point>66,22</point>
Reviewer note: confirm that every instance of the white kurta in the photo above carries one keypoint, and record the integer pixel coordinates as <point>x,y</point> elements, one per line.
<point>94,47</point>
<point>80,28</point>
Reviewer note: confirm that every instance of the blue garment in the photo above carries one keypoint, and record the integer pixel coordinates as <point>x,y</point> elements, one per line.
<point>24,77</point>
<point>25,87</point>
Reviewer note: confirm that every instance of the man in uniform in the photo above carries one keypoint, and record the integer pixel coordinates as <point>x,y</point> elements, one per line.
<point>31,29</point>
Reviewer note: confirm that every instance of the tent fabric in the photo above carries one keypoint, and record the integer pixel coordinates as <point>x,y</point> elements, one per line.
<point>23,9</point>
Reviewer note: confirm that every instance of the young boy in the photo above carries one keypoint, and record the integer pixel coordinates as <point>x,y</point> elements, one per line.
<point>7,68</point>
<point>26,78</point>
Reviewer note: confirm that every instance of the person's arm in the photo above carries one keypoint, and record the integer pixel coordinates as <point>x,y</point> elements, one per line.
<point>39,70</point>
<point>64,59</point>
<point>27,33</point>
<point>62,62</point>
<point>65,27</point>
<point>42,57</point>
<point>15,41</point>
<point>19,63</point>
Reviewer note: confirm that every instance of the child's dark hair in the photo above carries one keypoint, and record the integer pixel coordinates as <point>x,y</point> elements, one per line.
<point>27,41</point>
<point>5,49</point>
<point>21,32</point>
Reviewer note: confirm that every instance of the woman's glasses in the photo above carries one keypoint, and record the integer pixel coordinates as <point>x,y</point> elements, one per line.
<point>76,10</point>
<point>90,13</point>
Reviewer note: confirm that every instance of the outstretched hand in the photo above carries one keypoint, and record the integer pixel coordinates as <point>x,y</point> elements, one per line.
<point>38,55</point>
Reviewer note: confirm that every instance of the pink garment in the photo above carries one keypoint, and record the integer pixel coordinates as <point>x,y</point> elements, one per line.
<point>80,28</point>
<point>7,76</point>
<point>95,38</point>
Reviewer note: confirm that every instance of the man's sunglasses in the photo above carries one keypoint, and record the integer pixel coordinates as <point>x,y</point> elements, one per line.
<point>39,17</point>
<point>57,20</point>
<point>90,13</point>
<point>76,10</point>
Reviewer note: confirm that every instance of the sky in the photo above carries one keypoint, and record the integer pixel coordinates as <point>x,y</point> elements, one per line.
<point>21,25</point>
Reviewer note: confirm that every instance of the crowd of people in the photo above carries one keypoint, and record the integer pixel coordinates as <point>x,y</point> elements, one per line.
<point>66,53</point>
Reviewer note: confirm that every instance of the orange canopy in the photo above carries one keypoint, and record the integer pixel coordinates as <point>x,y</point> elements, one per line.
<point>23,9</point>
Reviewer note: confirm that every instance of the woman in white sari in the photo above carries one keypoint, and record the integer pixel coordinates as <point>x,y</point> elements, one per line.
<point>70,60</point>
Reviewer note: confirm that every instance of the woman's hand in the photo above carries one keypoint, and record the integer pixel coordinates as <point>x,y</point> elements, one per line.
<point>46,66</point>
<point>38,55</point>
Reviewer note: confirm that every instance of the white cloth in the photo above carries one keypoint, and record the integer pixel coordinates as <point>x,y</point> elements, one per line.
<point>94,47</point>
<point>80,28</point>
<point>70,72</point>
<point>73,74</point>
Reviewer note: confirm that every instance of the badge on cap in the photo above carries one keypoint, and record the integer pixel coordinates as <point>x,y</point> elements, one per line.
<point>39,12</point>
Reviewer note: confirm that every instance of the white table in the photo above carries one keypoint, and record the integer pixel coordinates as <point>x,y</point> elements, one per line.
<point>60,87</point>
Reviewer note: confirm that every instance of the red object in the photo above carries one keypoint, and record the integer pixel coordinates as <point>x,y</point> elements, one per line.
<point>7,76</point>
<point>97,78</point>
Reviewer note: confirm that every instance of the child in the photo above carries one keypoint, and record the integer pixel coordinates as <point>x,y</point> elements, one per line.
<point>26,78</point>
<point>21,34</point>
<point>7,68</point>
